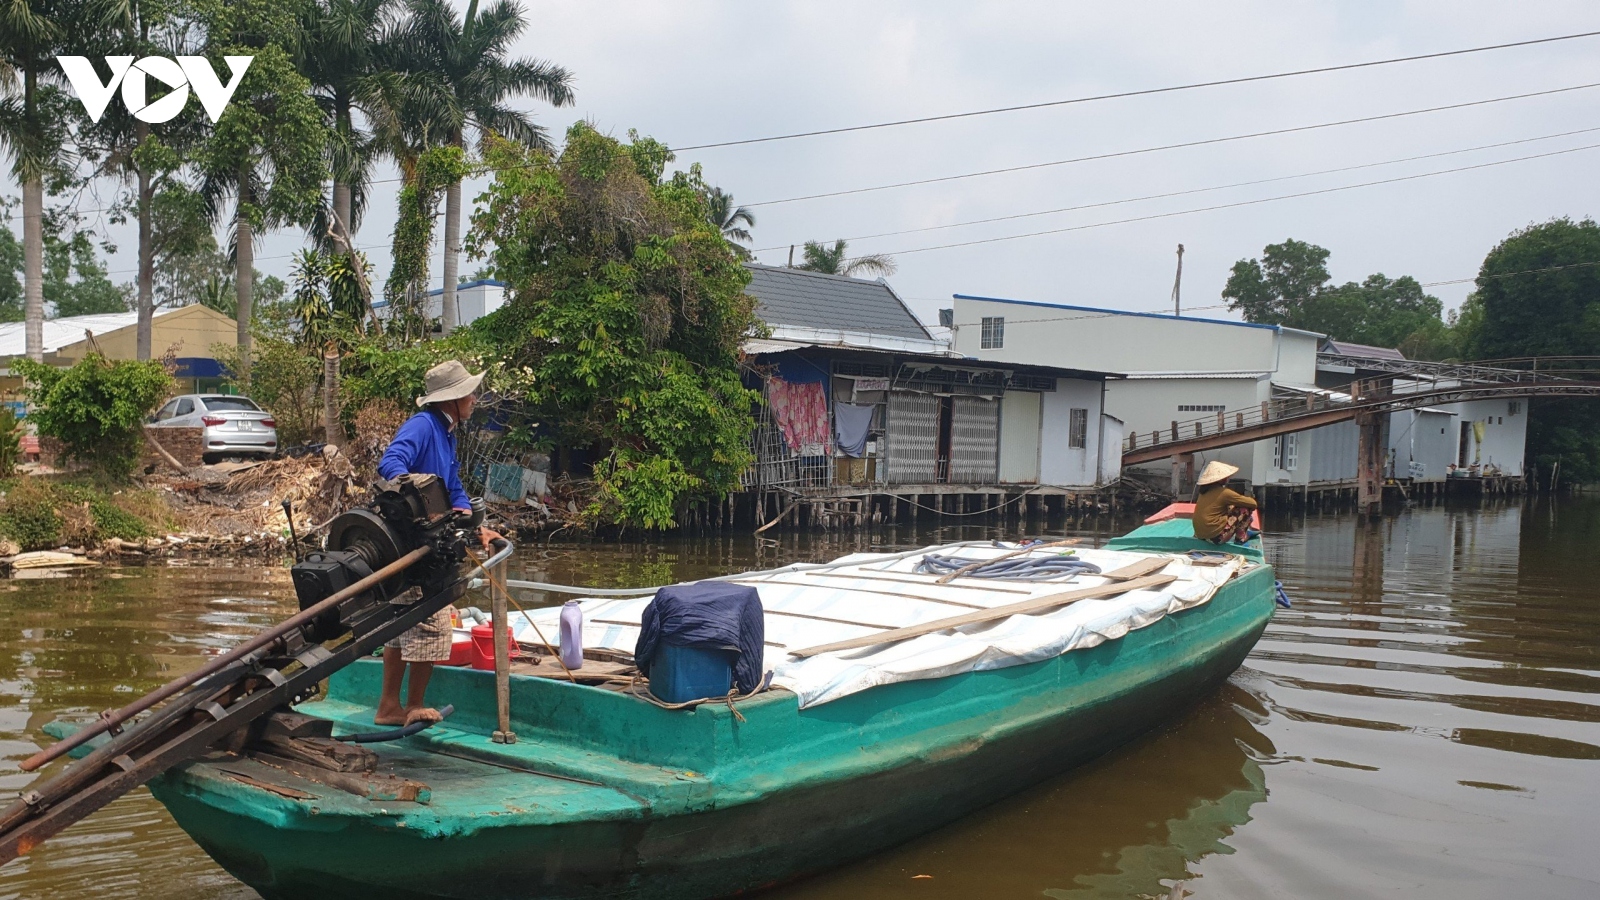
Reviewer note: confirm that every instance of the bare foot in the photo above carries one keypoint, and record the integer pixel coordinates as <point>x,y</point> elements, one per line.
<point>385,716</point>
<point>423,714</point>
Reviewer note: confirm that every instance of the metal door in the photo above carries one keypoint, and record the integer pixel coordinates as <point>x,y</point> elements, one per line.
<point>911,438</point>
<point>974,440</point>
<point>1019,438</point>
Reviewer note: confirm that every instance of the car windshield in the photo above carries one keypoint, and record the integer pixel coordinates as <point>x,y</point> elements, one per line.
<point>222,404</point>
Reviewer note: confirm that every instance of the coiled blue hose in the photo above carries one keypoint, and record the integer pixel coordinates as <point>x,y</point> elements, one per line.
<point>1024,569</point>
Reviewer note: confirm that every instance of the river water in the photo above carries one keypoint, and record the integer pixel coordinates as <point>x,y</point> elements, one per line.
<point>1425,722</point>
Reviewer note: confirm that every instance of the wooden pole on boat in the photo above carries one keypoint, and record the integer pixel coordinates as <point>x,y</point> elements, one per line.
<point>1025,607</point>
<point>502,665</point>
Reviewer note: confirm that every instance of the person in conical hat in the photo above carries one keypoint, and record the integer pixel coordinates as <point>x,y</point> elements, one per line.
<point>1221,514</point>
<point>426,445</point>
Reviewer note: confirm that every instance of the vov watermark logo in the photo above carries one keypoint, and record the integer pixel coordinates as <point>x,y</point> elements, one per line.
<point>181,75</point>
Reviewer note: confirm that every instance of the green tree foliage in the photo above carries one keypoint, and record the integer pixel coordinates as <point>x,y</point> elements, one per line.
<point>434,170</point>
<point>267,151</point>
<point>76,283</point>
<point>733,220</point>
<point>75,280</point>
<point>1538,294</point>
<point>97,408</point>
<point>10,442</point>
<point>626,308</point>
<point>835,260</point>
<point>1290,285</point>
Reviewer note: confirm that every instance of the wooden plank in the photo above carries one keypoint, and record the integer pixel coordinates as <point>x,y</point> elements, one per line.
<point>999,612</point>
<point>1138,569</point>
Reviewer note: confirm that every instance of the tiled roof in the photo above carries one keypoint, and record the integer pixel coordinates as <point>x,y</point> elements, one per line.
<point>813,300</point>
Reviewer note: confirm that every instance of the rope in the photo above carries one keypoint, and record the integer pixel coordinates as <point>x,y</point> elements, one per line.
<point>733,697</point>
<point>495,582</point>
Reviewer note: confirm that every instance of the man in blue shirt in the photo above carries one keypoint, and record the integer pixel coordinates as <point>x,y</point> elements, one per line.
<point>426,445</point>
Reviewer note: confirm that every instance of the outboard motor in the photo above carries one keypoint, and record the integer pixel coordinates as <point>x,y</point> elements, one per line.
<point>410,512</point>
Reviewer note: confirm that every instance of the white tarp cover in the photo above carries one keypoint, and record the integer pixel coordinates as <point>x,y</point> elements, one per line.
<point>869,592</point>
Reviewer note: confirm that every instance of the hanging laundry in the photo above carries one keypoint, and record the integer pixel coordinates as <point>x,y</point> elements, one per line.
<point>801,411</point>
<point>852,423</point>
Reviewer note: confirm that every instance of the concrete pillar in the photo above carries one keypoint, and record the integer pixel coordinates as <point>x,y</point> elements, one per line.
<point>1182,475</point>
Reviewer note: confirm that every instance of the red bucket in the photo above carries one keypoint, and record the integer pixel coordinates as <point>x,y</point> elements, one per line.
<point>483,646</point>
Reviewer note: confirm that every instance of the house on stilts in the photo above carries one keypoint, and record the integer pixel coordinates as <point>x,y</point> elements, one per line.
<point>868,416</point>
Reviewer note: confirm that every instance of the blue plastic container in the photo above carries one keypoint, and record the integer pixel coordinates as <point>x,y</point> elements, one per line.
<point>681,674</point>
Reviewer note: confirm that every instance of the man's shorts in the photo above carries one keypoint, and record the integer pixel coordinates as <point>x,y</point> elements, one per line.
<point>427,641</point>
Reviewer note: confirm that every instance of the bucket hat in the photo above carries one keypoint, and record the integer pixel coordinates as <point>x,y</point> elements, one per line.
<point>1216,471</point>
<point>448,381</point>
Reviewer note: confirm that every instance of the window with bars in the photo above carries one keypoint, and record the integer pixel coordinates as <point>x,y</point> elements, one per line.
<point>1186,407</point>
<point>1286,452</point>
<point>1078,429</point>
<point>1514,407</point>
<point>993,336</point>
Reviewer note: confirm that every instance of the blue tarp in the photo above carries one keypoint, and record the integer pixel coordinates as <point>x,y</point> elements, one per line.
<point>710,615</point>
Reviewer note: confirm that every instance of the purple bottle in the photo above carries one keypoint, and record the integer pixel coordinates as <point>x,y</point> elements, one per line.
<point>572,635</point>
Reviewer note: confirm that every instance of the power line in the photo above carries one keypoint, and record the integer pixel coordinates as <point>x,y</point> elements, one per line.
<point>1220,187</point>
<point>1476,278</point>
<point>1178,146</point>
<point>1140,93</point>
<point>1185,212</point>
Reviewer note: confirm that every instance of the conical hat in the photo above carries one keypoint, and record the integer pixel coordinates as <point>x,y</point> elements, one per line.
<point>1216,471</point>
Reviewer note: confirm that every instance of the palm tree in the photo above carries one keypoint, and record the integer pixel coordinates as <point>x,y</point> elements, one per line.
<point>340,51</point>
<point>266,154</point>
<point>475,79</point>
<point>733,221</point>
<point>36,114</point>
<point>147,158</point>
<point>832,261</point>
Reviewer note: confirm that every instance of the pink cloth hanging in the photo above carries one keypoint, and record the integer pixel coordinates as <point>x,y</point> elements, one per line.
<point>801,411</point>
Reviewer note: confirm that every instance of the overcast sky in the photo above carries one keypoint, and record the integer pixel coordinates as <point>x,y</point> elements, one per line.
<point>699,71</point>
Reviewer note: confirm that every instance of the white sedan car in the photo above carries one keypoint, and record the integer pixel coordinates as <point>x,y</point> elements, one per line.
<point>233,426</point>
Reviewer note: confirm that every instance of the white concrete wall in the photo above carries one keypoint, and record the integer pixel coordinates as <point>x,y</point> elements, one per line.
<point>1152,404</point>
<point>1111,438</point>
<point>1297,358</point>
<point>1505,436</point>
<point>1059,464</point>
<point>1049,335</point>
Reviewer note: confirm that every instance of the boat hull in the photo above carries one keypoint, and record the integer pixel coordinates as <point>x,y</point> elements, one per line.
<point>909,757</point>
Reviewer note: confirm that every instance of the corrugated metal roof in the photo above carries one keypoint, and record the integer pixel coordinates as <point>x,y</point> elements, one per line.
<point>60,332</point>
<point>1347,348</point>
<point>1194,376</point>
<point>813,300</point>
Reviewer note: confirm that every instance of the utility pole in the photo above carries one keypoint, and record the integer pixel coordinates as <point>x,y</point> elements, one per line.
<point>791,256</point>
<point>1177,286</point>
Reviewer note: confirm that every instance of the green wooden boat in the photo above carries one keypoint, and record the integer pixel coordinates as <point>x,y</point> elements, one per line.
<point>605,795</point>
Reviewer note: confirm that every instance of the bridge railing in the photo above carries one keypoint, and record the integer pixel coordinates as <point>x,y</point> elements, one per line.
<point>1358,393</point>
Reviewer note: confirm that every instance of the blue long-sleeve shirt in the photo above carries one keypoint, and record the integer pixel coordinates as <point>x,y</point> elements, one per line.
<point>425,445</point>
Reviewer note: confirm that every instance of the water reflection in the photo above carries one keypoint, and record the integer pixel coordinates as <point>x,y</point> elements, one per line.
<point>1425,721</point>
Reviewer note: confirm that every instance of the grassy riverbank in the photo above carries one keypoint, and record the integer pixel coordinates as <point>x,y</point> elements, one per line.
<point>43,513</point>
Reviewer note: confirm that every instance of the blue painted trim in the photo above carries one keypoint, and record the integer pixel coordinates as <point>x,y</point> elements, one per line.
<point>1119,312</point>
<point>467,284</point>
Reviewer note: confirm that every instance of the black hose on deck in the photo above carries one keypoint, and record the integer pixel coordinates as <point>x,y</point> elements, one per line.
<point>378,737</point>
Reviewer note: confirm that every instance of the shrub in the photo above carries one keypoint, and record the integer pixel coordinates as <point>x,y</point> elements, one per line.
<point>41,513</point>
<point>10,442</point>
<point>28,515</point>
<point>97,408</point>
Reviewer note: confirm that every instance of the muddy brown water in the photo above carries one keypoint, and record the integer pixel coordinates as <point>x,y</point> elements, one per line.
<point>1425,722</point>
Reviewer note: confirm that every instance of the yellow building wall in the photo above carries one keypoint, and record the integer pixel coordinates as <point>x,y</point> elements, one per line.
<point>192,330</point>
